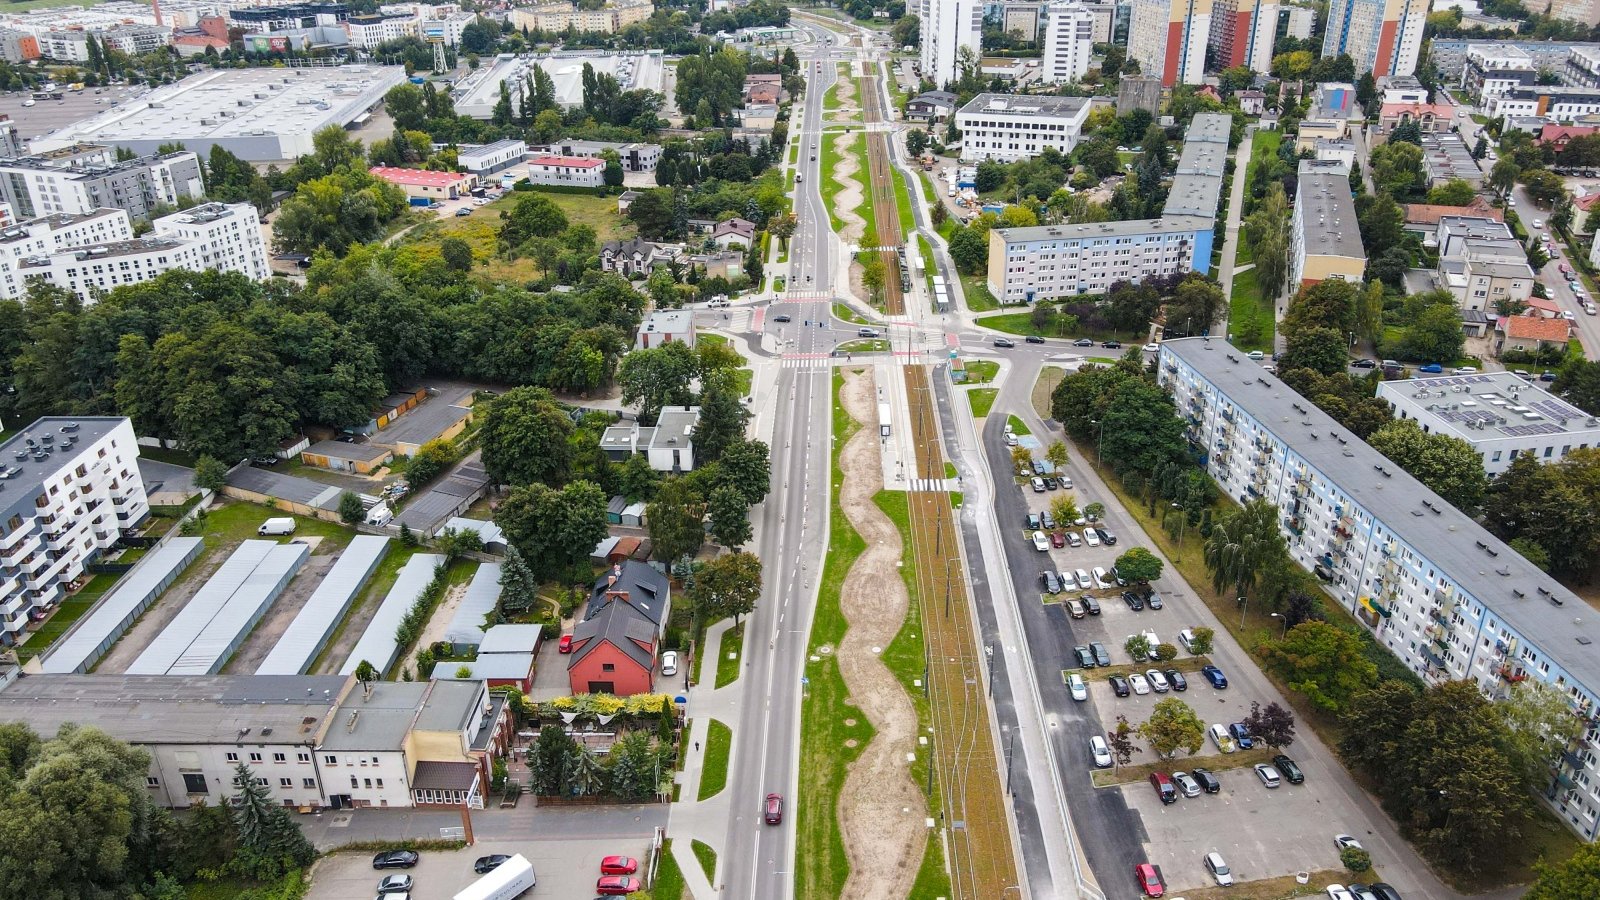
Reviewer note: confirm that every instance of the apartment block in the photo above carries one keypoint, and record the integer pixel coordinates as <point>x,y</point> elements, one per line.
<point>368,31</point>
<point>1494,70</point>
<point>1498,413</point>
<point>1049,262</point>
<point>228,236</point>
<point>84,177</point>
<point>73,46</point>
<point>1296,22</point>
<point>567,170</point>
<point>1383,37</point>
<point>1481,263</point>
<point>1560,104</point>
<point>1010,127</point>
<point>1068,42</point>
<point>1583,67</point>
<point>1324,242</point>
<point>1243,33</point>
<point>1022,19</point>
<point>1585,11</point>
<point>71,486</point>
<point>1169,37</point>
<point>555,17</point>
<point>947,26</point>
<point>1450,600</point>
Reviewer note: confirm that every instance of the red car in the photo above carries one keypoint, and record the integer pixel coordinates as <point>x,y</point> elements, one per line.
<point>566,644</point>
<point>774,812</point>
<point>619,865</point>
<point>1057,540</point>
<point>617,885</point>
<point>1149,880</point>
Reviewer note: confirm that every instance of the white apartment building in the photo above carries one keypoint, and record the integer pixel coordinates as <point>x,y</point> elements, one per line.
<point>1481,263</point>
<point>1498,413</point>
<point>367,32</point>
<point>1446,597</point>
<point>73,46</point>
<point>84,177</point>
<point>1404,89</point>
<point>1495,70</point>
<point>947,26</point>
<point>1296,21</point>
<point>484,160</point>
<point>1562,104</point>
<point>1048,262</point>
<point>567,170</point>
<point>1010,127</point>
<point>561,16</point>
<point>95,252</point>
<point>1068,42</point>
<point>70,487</point>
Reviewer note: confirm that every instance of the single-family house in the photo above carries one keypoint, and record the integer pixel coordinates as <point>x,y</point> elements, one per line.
<point>664,326</point>
<point>722,264</point>
<point>1530,334</point>
<point>931,106</point>
<point>615,646</point>
<point>1428,117</point>
<point>340,456</point>
<point>625,200</point>
<point>734,231</point>
<point>635,257</point>
<point>669,445</point>
<point>1252,103</point>
<point>1557,136</point>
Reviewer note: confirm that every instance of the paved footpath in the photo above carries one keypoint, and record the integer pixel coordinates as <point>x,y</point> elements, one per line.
<point>692,819</point>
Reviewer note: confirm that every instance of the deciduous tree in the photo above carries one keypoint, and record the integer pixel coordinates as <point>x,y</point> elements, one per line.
<point>1173,726</point>
<point>1322,661</point>
<point>1448,465</point>
<point>1271,724</point>
<point>524,438</point>
<point>1139,565</point>
<point>729,585</point>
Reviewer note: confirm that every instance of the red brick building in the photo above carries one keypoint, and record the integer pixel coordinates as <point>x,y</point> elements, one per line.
<point>614,648</point>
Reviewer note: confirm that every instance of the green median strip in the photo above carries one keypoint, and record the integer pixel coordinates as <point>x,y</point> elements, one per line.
<point>714,770</point>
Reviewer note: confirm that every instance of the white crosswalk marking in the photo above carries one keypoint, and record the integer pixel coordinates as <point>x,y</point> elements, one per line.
<point>934,485</point>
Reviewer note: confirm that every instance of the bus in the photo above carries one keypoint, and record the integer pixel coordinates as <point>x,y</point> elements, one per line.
<point>884,418</point>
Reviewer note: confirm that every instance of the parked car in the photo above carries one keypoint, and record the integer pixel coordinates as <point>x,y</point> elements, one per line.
<point>1040,542</point>
<point>1164,788</point>
<point>1362,892</point>
<point>1057,541</point>
<point>1152,348</point>
<point>1158,681</point>
<point>1431,368</point>
<point>1218,869</point>
<point>1050,483</point>
<point>1134,601</point>
<point>1047,521</point>
<point>1102,578</point>
<point>1153,600</point>
<point>1179,683</point>
<point>1091,605</point>
<point>1080,688</point>
<point>1139,684</point>
<point>1342,842</point>
<point>1208,781</point>
<point>1038,483</point>
<point>1035,521</point>
<point>1215,676</point>
<point>565,644</point>
<point>617,885</point>
<point>1101,657</point>
<point>1384,891</point>
<point>1257,355</point>
<point>1111,345</point>
<point>619,865</point>
<point>1073,540</point>
<point>1219,736</point>
<point>669,662</point>
<point>1082,578</point>
<point>1289,769</point>
<point>1075,609</point>
<point>1187,786</point>
<point>486,864</point>
<point>396,859</point>
<point>1085,658</point>
<point>1050,583</point>
<point>1268,775</point>
<point>1338,892</point>
<point>1106,537</point>
<point>1149,878</point>
<point>1119,686</point>
<point>1241,736</point>
<point>1365,364</point>
<point>394,884</point>
<point>1100,751</point>
<point>772,810</point>
<point>1090,537</point>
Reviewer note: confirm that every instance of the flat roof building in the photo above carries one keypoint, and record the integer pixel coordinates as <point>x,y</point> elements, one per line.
<point>258,114</point>
<point>479,91</point>
<point>1498,413</point>
<point>1011,127</point>
<point>1449,599</point>
<point>1323,239</point>
<point>426,183</point>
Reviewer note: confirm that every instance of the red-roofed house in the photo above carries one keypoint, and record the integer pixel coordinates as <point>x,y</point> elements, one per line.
<point>1530,334</point>
<point>427,184</point>
<point>1430,117</point>
<point>569,171</point>
<point>1557,136</point>
<point>1543,307</point>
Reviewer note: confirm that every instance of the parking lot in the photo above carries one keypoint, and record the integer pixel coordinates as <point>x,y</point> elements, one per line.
<point>45,116</point>
<point>564,869</point>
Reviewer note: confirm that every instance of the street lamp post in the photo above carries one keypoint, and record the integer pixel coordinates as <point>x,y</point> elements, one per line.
<point>1244,604</point>
<point>1285,624</point>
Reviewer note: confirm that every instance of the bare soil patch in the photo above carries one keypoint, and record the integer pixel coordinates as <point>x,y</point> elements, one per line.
<point>851,191</point>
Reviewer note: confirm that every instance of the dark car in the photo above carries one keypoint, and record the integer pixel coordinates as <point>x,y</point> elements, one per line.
<point>782,319</point>
<point>1106,537</point>
<point>1215,676</point>
<point>1208,781</point>
<point>1111,345</point>
<point>1101,657</point>
<point>1384,891</point>
<point>396,859</point>
<point>1050,483</point>
<point>1164,788</point>
<point>1083,342</point>
<point>1004,343</point>
<point>1179,683</point>
<point>1091,605</point>
<point>489,863</point>
<point>1289,769</point>
<point>1120,686</point>
<point>1085,658</point>
<point>773,809</point>
<point>1241,736</point>
<point>1546,375</point>
<point>1133,600</point>
<point>1050,583</point>
<point>1034,339</point>
<point>1364,364</point>
<point>1153,600</point>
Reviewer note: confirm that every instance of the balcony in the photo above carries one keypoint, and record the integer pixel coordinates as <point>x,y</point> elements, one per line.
<point>1513,674</point>
<point>14,624</point>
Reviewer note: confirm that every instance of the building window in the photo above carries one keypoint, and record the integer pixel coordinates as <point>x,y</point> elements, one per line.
<point>608,667</point>
<point>308,783</point>
<point>286,783</point>
<point>231,756</point>
<point>331,760</point>
<point>279,757</point>
<point>194,783</point>
<point>152,781</point>
<point>255,757</point>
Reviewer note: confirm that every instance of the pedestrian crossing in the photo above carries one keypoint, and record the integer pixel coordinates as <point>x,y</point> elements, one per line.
<point>935,485</point>
<point>806,297</point>
<point>806,361</point>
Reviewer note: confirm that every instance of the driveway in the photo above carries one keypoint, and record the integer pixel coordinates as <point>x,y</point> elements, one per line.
<point>564,868</point>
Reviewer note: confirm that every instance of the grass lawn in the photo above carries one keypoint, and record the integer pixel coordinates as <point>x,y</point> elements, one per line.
<point>1017,426</point>
<point>929,191</point>
<point>821,867</point>
<point>1250,318</point>
<point>929,267</point>
<point>976,290</point>
<point>902,201</point>
<point>168,455</point>
<point>1264,145</point>
<point>869,234</point>
<point>982,400</point>
<point>830,185</point>
<point>729,655</point>
<point>1021,323</point>
<point>742,378</point>
<point>669,878</point>
<point>238,521</point>
<point>841,311</point>
<point>707,857</point>
<point>1278,888</point>
<point>481,229</point>
<point>865,345</point>
<point>830,100</point>
<point>67,612</point>
<point>714,774</point>
<point>982,370</point>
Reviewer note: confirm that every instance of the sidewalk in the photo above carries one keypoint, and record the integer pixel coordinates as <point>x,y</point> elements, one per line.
<point>1230,252</point>
<point>692,819</point>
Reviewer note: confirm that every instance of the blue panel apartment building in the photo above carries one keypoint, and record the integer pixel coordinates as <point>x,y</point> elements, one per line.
<point>1448,598</point>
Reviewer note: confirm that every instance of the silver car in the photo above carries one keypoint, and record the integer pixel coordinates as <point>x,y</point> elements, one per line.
<point>1101,752</point>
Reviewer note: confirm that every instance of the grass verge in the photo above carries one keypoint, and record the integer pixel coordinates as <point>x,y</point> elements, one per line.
<point>707,857</point>
<point>902,201</point>
<point>841,311</point>
<point>982,400</point>
<point>821,866</point>
<point>714,770</point>
<point>982,370</point>
<point>1212,762</point>
<point>1250,318</point>
<point>729,655</point>
<point>669,878</point>
<point>869,233</point>
<point>831,185</point>
<point>1021,323</point>
<point>1018,427</point>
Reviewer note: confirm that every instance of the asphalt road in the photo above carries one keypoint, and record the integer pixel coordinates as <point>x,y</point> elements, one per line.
<point>757,859</point>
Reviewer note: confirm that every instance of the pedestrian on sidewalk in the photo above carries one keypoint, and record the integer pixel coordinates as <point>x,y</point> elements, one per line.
<point>697,746</point>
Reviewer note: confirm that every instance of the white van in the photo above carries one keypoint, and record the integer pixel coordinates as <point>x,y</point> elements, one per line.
<point>379,515</point>
<point>510,879</point>
<point>278,526</point>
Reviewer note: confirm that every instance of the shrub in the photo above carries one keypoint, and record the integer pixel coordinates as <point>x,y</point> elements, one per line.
<point>1355,859</point>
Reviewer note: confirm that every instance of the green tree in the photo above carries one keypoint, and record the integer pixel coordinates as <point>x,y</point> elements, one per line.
<point>1356,859</point>
<point>726,586</point>
<point>1063,510</point>
<point>555,530</point>
<point>1448,465</point>
<point>1397,168</point>
<point>1503,176</point>
<point>636,764</point>
<point>210,474</point>
<point>1552,505</point>
<point>1057,454</point>
<point>1322,350</point>
<point>524,438</point>
<point>657,377</point>
<point>1242,545</point>
<point>1138,647</point>
<point>1173,726</point>
<point>969,251</point>
<point>1200,640</point>
<point>1322,661</point>
<point>730,516</point>
<point>1434,335</point>
<point>1538,723</point>
<point>456,253</point>
<point>677,520</point>
<point>1120,742</point>
<point>270,843</point>
<point>534,215</point>
<point>549,761</point>
<point>350,509</point>
<point>1268,232</point>
<point>638,481</point>
<point>1532,552</point>
<point>1455,192</point>
<point>745,467</point>
<point>1139,565</point>
<point>723,416</point>
<point>430,461</point>
<point>1576,878</point>
<point>519,589</point>
<point>1544,187</point>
